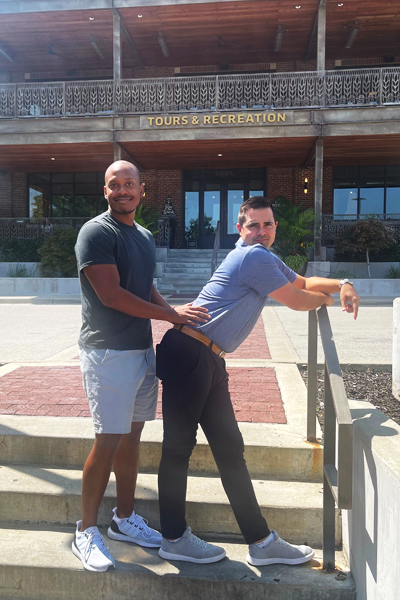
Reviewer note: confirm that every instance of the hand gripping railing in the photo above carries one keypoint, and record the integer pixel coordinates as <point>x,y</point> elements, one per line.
<point>338,429</point>
<point>216,248</point>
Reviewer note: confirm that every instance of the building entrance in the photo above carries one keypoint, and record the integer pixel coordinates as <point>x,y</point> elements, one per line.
<point>216,195</point>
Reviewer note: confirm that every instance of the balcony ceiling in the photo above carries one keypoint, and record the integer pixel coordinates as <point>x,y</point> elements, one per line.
<point>225,33</point>
<point>202,154</point>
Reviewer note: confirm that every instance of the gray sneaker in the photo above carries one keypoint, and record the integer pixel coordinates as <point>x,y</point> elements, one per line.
<point>279,552</point>
<point>191,549</point>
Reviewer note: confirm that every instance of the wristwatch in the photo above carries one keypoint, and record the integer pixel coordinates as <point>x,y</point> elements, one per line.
<point>343,281</point>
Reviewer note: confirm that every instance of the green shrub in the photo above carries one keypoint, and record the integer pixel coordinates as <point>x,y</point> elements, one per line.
<point>393,273</point>
<point>295,261</point>
<point>17,271</point>
<point>389,254</point>
<point>16,250</point>
<point>58,255</point>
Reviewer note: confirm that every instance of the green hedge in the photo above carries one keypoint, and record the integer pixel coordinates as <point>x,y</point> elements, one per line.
<point>58,254</point>
<point>15,250</point>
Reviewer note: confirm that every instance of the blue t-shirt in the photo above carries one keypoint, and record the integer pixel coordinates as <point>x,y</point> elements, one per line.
<point>236,293</point>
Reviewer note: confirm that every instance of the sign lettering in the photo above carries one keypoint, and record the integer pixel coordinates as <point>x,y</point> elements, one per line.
<point>217,119</point>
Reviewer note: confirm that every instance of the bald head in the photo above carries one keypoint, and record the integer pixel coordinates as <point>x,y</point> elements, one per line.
<point>122,165</point>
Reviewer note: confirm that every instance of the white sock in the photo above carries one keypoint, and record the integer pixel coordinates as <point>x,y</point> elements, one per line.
<point>174,541</point>
<point>118,520</point>
<point>266,542</point>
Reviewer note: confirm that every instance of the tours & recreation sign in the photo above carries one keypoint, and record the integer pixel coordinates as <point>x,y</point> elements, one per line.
<point>216,120</point>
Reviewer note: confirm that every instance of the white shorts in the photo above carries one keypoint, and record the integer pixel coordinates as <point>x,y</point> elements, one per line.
<point>121,387</point>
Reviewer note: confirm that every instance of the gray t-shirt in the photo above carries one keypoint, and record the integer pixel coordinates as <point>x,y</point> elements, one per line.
<point>236,293</point>
<point>106,241</point>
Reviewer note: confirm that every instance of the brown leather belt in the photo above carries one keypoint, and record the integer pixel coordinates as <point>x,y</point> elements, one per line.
<point>201,338</point>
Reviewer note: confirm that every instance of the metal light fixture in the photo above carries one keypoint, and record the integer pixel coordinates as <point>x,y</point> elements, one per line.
<point>95,47</point>
<point>162,43</point>
<point>6,55</point>
<point>91,18</point>
<point>353,34</point>
<point>219,154</point>
<point>305,185</point>
<point>278,38</point>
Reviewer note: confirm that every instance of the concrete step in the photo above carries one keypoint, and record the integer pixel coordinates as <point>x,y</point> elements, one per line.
<point>38,495</point>
<point>271,451</point>
<point>39,564</point>
<point>183,269</point>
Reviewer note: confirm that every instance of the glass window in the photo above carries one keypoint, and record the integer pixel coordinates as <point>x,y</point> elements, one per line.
<point>62,206</point>
<point>85,177</point>
<point>393,201</point>
<point>85,206</point>
<point>39,202</point>
<point>86,188</point>
<point>345,202</point>
<point>62,178</point>
<point>371,201</point>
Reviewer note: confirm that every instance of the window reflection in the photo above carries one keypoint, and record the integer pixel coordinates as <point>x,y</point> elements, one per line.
<point>371,201</point>
<point>345,202</point>
<point>235,200</point>
<point>66,194</point>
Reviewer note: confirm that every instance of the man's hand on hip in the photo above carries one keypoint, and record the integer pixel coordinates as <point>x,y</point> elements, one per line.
<point>190,315</point>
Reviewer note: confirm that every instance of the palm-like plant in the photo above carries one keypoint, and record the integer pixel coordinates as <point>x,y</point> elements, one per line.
<point>294,233</point>
<point>147,217</point>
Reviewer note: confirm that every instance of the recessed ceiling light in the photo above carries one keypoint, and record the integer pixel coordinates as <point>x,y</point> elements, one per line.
<point>298,6</point>
<point>91,18</point>
<point>140,16</point>
<point>219,154</point>
<point>52,158</point>
<point>340,3</point>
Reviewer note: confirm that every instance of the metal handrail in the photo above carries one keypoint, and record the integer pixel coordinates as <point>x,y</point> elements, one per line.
<point>217,242</point>
<point>192,94</point>
<point>338,430</point>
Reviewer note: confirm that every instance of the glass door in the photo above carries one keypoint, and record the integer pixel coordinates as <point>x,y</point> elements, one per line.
<point>210,214</point>
<point>234,197</point>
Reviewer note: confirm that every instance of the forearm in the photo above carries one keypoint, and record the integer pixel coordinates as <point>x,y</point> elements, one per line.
<point>310,300</point>
<point>156,298</point>
<point>122,300</point>
<point>321,284</point>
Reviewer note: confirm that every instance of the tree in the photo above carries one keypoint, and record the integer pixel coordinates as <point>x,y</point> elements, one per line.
<point>58,254</point>
<point>294,233</point>
<point>364,236</point>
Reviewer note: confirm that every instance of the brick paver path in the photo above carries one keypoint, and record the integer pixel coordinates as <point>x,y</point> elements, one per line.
<point>57,391</point>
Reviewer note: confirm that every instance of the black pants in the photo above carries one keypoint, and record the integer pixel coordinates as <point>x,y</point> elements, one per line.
<point>195,390</point>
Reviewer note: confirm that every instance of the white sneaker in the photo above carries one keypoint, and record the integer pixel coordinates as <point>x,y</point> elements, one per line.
<point>92,549</point>
<point>133,529</point>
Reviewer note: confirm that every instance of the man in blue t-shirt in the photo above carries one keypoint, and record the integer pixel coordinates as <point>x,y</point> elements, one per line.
<point>195,387</point>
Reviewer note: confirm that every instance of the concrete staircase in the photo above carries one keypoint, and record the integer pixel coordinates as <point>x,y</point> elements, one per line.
<point>40,480</point>
<point>187,271</point>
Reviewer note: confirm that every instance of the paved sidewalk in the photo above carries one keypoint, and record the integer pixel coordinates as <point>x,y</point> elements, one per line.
<point>41,374</point>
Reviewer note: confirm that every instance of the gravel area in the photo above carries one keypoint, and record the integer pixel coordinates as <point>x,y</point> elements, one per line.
<point>372,385</point>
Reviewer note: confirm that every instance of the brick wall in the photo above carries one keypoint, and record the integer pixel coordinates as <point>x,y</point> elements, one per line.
<point>13,194</point>
<point>158,185</point>
<point>18,194</point>
<point>289,182</point>
<point>5,194</point>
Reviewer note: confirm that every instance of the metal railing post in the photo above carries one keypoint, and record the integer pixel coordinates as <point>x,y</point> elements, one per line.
<point>328,529</point>
<point>312,383</point>
<point>15,102</point>
<point>216,93</point>
<point>64,99</point>
<point>381,87</point>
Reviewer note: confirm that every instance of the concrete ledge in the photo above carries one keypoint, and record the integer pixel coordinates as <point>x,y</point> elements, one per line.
<point>371,528</point>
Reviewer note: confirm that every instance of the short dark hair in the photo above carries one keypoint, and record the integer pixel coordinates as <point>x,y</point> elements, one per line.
<point>254,202</point>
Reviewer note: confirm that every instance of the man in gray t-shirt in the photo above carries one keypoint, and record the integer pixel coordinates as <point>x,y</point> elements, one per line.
<point>195,387</point>
<point>116,262</point>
